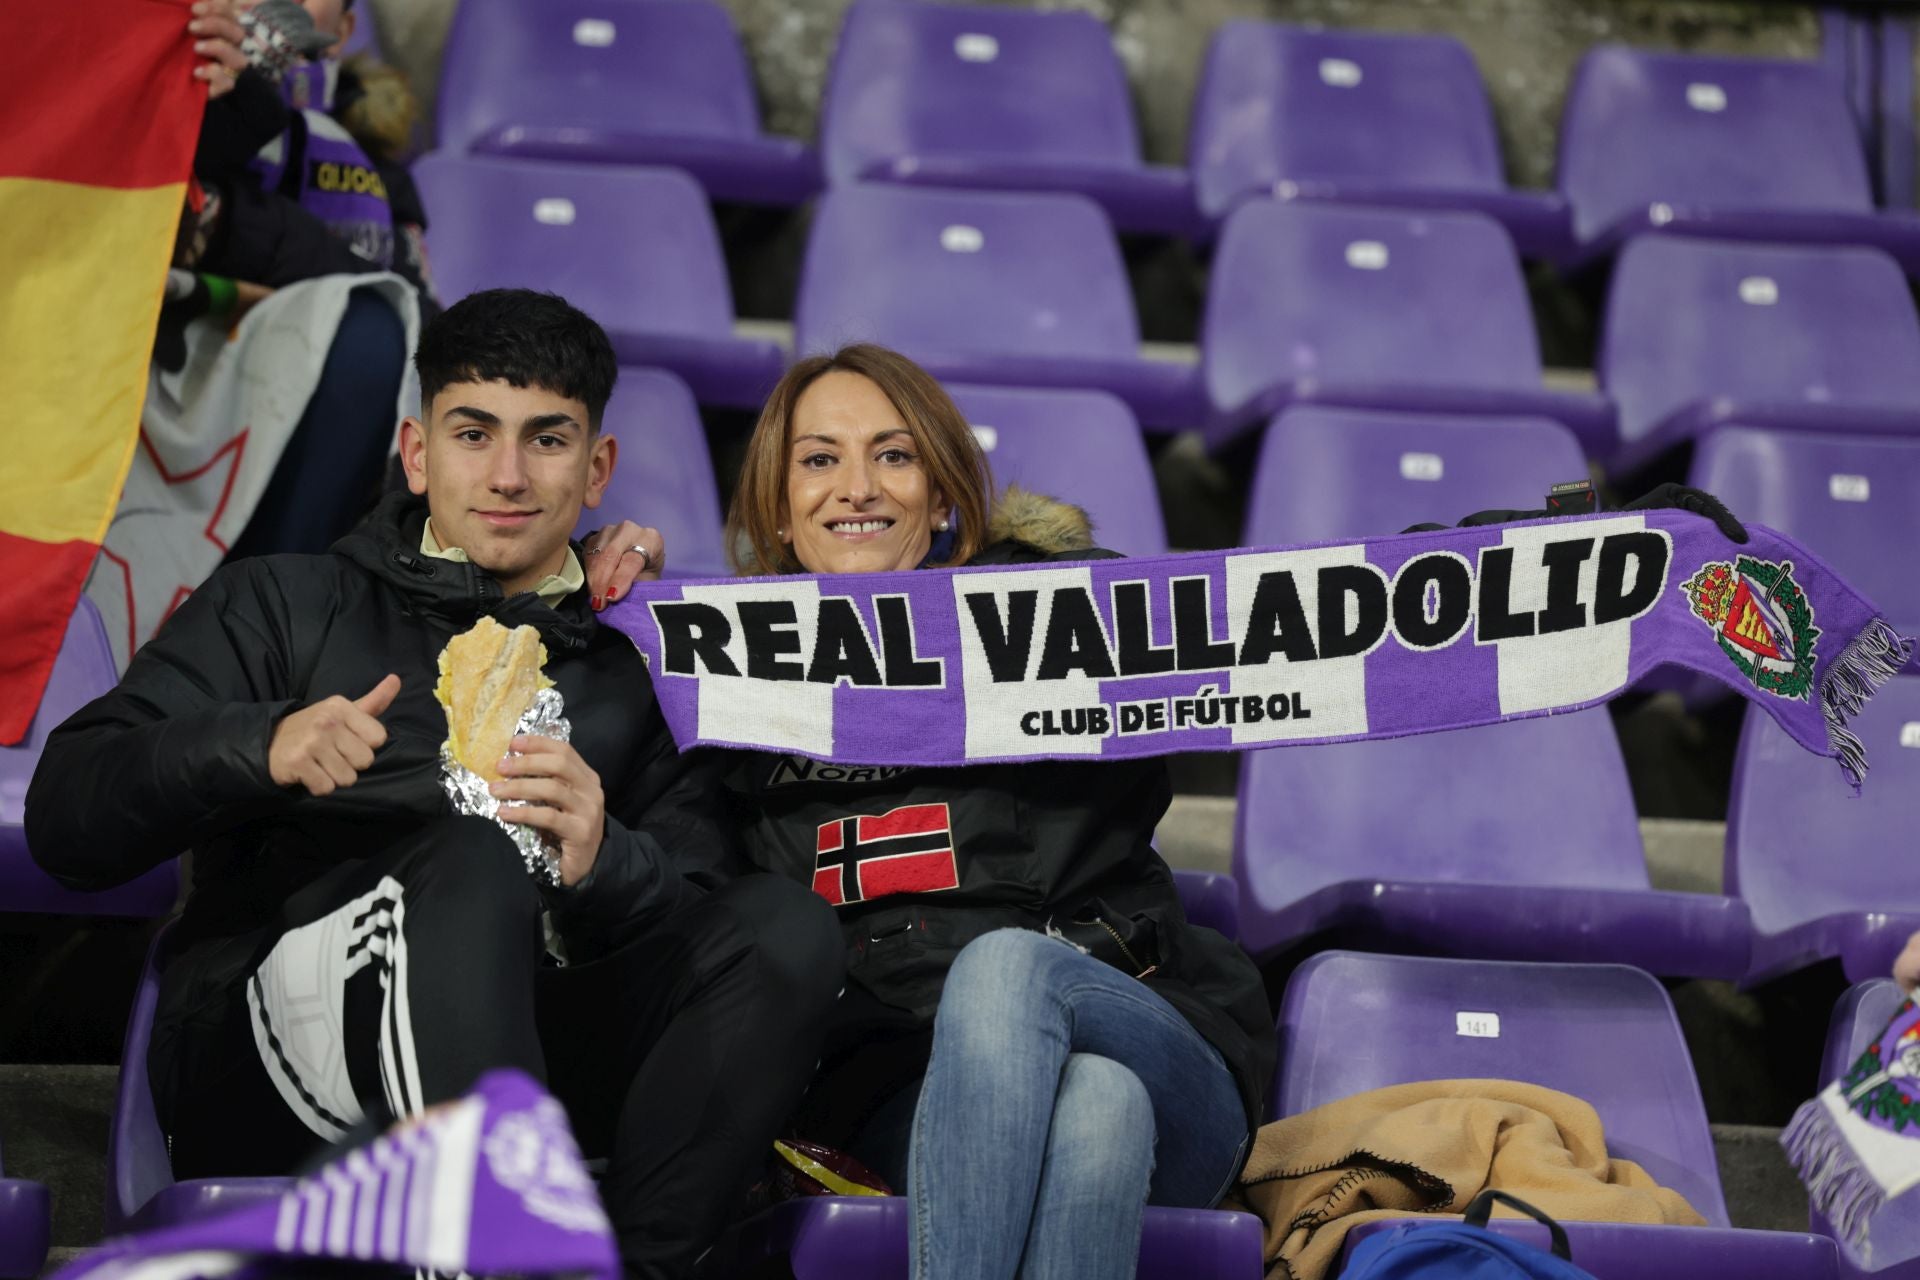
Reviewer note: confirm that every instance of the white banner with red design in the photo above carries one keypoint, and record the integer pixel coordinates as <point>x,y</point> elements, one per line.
<point>211,433</point>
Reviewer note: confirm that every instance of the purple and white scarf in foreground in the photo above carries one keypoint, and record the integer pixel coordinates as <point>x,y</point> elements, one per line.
<point>1244,649</point>
<point>1857,1144</point>
<point>489,1185</point>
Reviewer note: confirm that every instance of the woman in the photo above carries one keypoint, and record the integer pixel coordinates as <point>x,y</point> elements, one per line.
<point>1034,1043</point>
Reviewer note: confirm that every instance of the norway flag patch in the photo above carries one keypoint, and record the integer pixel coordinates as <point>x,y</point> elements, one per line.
<point>867,856</point>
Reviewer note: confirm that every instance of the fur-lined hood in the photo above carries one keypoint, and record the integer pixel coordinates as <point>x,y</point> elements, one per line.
<point>1047,525</point>
<point>1033,519</point>
<point>378,107</point>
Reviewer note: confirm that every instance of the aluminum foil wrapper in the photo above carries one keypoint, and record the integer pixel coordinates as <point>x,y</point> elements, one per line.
<point>468,790</point>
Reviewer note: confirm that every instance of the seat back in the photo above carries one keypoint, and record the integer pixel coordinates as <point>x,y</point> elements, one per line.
<point>971,272</point>
<point>1801,845</point>
<point>1690,320</point>
<point>1332,293</point>
<point>138,1166</point>
<point>1471,805</point>
<point>82,671</point>
<point>1210,900</point>
<point>951,79</point>
<point>1853,499</point>
<point>365,38</point>
<point>664,474</point>
<point>634,66</point>
<point>1603,1033</point>
<point>1355,473</point>
<point>1082,447</point>
<point>635,248</point>
<point>1642,128</point>
<point>1280,103</point>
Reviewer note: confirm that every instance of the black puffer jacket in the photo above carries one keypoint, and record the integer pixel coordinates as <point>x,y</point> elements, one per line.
<point>175,757</point>
<point>1031,844</point>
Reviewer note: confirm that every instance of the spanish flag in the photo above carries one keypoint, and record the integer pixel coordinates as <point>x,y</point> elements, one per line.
<point>98,121</point>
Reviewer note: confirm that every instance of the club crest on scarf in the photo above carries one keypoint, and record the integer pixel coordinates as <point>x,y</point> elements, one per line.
<point>1761,619</point>
<point>532,1154</point>
<point>1883,1086</point>
<point>865,856</point>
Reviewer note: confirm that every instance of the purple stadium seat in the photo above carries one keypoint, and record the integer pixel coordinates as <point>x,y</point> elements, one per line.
<point>663,476</point>
<point>1854,499</point>
<point>841,1237</point>
<point>1894,1234</point>
<point>1374,308</point>
<point>1352,473</point>
<point>1357,117</point>
<point>141,1192</point>
<point>1700,333</point>
<point>1398,844</point>
<point>26,1219</point>
<point>1605,1033</point>
<point>984,286</point>
<point>634,248</point>
<point>661,82</point>
<point>994,99</point>
<point>82,672</point>
<point>364,38</point>
<point>1210,900</point>
<point>1080,446</point>
<point>1826,873</point>
<point>1737,148</point>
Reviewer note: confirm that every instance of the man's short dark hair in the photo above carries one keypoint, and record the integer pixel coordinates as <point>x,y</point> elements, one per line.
<point>523,338</point>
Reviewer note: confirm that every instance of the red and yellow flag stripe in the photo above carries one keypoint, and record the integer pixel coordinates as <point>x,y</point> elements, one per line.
<point>98,122</point>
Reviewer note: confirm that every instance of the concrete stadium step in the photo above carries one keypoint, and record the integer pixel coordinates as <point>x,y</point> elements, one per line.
<point>53,1129</point>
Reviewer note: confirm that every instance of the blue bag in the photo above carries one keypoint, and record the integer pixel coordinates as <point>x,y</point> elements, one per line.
<point>1463,1250</point>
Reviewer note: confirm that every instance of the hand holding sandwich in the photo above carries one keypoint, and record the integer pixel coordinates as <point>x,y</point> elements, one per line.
<point>546,785</point>
<point>329,744</point>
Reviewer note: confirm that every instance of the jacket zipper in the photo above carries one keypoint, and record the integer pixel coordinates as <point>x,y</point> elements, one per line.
<point>1127,951</point>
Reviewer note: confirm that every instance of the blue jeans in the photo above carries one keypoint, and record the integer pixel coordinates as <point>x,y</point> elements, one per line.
<point>1062,1096</point>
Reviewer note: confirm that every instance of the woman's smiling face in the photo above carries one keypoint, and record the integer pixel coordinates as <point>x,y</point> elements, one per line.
<point>858,500</point>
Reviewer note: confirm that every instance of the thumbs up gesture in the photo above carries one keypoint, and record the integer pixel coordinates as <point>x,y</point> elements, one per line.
<point>328,745</point>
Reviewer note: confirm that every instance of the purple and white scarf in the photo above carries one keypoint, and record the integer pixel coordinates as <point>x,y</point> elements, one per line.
<point>1856,1144</point>
<point>1252,648</point>
<point>490,1185</point>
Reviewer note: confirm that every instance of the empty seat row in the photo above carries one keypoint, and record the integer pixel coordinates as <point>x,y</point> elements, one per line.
<point>1000,98</point>
<point>1319,304</point>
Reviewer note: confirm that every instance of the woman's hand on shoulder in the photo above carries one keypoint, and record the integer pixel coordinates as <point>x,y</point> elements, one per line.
<point>619,556</point>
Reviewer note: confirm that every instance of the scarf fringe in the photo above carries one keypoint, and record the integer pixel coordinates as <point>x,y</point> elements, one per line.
<point>1876,655</point>
<point>1838,1184</point>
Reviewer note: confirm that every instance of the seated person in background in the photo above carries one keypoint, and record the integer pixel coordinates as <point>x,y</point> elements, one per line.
<point>1030,1093</point>
<point>299,174</point>
<point>300,159</point>
<point>351,950</point>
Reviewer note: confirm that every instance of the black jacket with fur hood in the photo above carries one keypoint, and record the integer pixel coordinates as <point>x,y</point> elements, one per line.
<point>1041,843</point>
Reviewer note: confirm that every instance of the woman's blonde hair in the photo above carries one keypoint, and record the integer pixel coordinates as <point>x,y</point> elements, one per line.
<point>955,465</point>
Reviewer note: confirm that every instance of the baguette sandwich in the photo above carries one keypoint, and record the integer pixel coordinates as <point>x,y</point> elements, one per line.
<point>488,679</point>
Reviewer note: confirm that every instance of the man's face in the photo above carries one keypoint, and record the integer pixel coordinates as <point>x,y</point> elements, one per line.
<point>505,471</point>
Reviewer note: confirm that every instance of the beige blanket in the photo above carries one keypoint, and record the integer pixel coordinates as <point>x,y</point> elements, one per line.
<point>1429,1148</point>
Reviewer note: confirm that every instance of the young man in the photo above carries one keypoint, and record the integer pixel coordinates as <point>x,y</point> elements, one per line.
<point>351,950</point>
